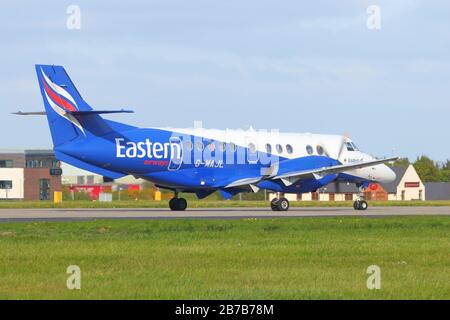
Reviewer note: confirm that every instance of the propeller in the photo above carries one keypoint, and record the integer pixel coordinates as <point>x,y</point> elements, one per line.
<point>334,151</point>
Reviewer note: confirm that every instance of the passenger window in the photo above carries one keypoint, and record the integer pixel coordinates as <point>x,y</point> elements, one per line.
<point>279,148</point>
<point>289,149</point>
<point>232,147</point>
<point>200,146</point>
<point>309,149</point>
<point>221,146</point>
<point>268,148</point>
<point>188,145</point>
<point>319,150</point>
<point>252,147</point>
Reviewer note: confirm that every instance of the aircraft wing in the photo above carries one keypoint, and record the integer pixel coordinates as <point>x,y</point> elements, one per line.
<point>293,176</point>
<point>289,178</point>
<point>246,182</point>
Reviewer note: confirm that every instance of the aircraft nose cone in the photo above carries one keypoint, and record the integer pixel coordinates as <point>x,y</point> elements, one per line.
<point>387,175</point>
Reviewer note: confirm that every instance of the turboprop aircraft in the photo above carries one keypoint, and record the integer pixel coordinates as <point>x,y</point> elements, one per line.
<point>197,160</point>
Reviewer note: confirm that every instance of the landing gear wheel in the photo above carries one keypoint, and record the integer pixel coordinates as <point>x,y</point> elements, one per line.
<point>182,204</point>
<point>274,204</point>
<point>283,204</point>
<point>363,205</point>
<point>178,204</point>
<point>173,203</point>
<point>360,205</point>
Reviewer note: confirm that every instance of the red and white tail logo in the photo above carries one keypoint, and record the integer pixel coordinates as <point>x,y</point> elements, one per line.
<point>60,101</point>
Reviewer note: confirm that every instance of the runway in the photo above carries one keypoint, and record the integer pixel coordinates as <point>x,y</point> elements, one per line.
<point>9,215</point>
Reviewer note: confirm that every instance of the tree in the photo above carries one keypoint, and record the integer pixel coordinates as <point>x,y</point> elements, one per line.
<point>402,162</point>
<point>445,175</point>
<point>427,170</point>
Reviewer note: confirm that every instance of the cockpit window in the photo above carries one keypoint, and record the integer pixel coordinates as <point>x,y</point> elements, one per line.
<point>349,146</point>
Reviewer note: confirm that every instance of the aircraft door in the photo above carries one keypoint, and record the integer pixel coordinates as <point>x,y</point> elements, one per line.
<point>176,154</point>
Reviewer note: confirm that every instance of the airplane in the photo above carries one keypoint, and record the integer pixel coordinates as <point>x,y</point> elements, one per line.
<point>198,160</point>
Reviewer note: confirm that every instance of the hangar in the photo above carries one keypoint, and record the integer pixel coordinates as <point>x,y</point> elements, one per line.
<point>438,190</point>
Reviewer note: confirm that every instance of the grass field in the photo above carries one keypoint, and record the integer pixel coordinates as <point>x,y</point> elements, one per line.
<point>310,258</point>
<point>205,204</point>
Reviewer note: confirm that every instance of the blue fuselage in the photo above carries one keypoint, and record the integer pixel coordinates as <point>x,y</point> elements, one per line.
<point>189,162</point>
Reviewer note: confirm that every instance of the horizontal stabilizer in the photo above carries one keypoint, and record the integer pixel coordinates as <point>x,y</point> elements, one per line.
<point>77,112</point>
<point>34,113</point>
<point>88,112</point>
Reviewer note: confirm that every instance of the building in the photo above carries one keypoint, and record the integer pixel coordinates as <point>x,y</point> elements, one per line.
<point>406,186</point>
<point>29,175</point>
<point>93,185</point>
<point>438,190</point>
<point>75,176</point>
<point>332,192</point>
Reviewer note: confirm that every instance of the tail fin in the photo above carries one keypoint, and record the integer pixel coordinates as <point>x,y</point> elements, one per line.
<point>69,116</point>
<point>60,98</point>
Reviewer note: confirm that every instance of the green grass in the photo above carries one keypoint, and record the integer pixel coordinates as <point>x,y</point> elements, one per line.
<point>204,204</point>
<point>309,258</point>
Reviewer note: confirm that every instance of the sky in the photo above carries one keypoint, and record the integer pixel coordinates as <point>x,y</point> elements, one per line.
<point>295,66</point>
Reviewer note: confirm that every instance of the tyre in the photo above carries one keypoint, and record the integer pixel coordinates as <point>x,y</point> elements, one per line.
<point>356,205</point>
<point>182,204</point>
<point>363,205</point>
<point>274,204</point>
<point>173,203</point>
<point>283,204</point>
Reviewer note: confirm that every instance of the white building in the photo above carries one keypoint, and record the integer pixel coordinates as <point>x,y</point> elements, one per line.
<point>11,183</point>
<point>406,186</point>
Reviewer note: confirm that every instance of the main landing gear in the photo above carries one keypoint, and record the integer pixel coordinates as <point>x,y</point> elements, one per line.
<point>177,204</point>
<point>360,203</point>
<point>279,204</point>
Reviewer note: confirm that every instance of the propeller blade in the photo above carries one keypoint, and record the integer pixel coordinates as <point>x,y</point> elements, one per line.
<point>334,151</point>
<point>341,148</point>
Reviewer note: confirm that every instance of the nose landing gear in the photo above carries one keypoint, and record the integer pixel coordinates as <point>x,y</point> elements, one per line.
<point>360,203</point>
